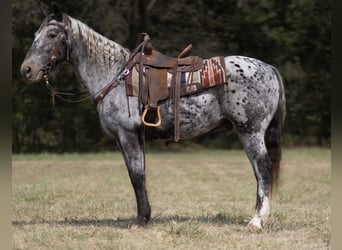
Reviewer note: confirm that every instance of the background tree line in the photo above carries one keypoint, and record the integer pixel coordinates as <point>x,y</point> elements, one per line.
<point>293,35</point>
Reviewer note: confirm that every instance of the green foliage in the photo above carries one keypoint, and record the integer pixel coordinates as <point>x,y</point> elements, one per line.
<point>292,35</point>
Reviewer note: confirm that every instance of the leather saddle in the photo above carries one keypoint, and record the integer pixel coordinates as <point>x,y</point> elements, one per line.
<point>153,68</point>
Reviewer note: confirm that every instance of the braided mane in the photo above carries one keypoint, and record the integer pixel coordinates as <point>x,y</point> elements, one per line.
<point>104,52</point>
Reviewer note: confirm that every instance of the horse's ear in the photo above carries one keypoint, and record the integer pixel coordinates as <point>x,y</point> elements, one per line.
<point>58,14</point>
<point>43,9</point>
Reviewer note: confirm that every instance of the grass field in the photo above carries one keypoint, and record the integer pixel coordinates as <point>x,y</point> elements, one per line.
<point>200,200</point>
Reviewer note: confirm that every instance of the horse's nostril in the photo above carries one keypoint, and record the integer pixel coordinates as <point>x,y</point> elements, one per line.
<point>27,70</point>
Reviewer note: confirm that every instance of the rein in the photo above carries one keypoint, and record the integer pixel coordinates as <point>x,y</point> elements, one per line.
<point>64,40</point>
<point>99,95</point>
<point>60,95</point>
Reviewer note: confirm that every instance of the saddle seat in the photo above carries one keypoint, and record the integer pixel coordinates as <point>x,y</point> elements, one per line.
<point>155,68</point>
<point>158,60</point>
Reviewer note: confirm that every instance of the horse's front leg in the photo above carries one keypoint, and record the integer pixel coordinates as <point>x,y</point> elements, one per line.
<point>131,145</point>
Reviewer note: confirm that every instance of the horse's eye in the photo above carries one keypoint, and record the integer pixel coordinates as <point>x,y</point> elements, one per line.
<point>51,36</point>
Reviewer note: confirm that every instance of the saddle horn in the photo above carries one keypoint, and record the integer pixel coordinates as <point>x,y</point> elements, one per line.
<point>148,44</point>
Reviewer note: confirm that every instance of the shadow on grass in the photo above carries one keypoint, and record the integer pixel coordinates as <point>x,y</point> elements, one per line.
<point>116,223</point>
<point>219,219</point>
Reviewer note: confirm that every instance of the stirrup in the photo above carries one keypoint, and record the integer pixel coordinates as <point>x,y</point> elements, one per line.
<point>147,123</point>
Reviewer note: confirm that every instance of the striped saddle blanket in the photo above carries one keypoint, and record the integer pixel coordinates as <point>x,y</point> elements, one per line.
<point>212,73</point>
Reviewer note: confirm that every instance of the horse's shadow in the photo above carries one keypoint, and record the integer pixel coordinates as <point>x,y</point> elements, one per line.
<point>115,223</point>
<point>126,223</point>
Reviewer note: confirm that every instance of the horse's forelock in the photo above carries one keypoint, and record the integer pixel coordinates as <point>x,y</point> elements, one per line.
<point>46,20</point>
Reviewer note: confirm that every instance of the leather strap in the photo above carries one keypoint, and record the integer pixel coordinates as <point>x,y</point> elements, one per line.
<point>64,40</point>
<point>176,105</point>
<point>104,92</point>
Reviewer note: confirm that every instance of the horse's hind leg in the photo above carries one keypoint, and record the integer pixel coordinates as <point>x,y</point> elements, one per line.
<point>254,145</point>
<point>131,145</point>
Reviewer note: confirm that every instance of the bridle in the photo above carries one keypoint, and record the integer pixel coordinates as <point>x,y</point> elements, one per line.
<point>99,95</point>
<point>64,40</point>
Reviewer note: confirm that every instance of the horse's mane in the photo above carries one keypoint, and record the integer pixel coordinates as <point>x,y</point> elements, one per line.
<point>99,48</point>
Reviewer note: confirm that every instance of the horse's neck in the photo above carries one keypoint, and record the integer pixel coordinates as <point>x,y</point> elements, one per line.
<point>96,59</point>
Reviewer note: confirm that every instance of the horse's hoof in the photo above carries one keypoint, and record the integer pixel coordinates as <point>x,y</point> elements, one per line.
<point>139,224</point>
<point>254,229</point>
<point>255,225</point>
<point>135,227</point>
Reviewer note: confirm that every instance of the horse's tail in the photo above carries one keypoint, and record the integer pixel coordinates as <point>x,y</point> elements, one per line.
<point>274,133</point>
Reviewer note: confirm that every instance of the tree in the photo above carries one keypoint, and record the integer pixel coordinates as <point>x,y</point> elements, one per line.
<point>294,36</point>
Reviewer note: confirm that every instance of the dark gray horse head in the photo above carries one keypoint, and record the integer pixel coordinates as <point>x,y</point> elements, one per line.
<point>49,48</point>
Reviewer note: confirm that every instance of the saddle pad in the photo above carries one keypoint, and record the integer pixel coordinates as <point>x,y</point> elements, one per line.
<point>212,73</point>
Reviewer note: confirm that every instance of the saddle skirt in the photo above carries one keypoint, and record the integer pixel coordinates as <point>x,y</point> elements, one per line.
<point>212,73</point>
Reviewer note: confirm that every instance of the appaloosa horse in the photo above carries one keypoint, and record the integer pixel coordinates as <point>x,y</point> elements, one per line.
<point>253,101</point>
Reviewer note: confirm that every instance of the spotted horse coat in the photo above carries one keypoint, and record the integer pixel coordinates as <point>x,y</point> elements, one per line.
<point>252,101</point>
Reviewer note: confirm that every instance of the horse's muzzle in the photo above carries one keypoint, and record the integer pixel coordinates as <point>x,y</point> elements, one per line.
<point>30,72</point>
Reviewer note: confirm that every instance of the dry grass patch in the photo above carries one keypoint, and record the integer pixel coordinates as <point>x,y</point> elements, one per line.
<point>200,200</point>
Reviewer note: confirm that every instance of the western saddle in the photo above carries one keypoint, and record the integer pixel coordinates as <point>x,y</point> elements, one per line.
<point>153,68</point>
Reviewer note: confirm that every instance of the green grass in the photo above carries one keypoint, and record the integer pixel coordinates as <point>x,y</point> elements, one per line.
<point>200,200</point>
